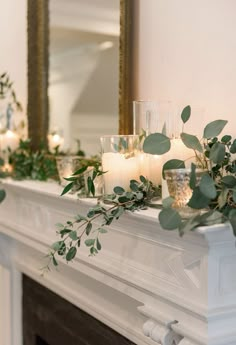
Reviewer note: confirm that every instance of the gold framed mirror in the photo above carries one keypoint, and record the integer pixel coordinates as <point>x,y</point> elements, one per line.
<point>38,66</point>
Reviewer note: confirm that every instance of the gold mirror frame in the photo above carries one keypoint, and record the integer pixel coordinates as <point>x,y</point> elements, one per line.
<point>38,67</point>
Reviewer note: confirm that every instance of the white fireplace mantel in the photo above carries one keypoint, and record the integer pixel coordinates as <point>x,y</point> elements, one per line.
<point>148,284</point>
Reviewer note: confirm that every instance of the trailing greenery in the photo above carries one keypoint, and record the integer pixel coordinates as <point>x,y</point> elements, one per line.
<point>215,195</point>
<point>77,181</point>
<point>90,228</point>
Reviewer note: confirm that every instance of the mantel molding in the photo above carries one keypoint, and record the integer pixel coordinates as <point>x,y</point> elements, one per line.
<point>148,284</point>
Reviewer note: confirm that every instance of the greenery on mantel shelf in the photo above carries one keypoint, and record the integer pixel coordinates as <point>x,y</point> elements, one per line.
<point>214,195</point>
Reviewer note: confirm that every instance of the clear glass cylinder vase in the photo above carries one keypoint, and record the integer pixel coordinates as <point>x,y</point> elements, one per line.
<point>120,161</point>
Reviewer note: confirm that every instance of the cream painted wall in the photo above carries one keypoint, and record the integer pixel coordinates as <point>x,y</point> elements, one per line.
<point>13,45</point>
<point>186,51</point>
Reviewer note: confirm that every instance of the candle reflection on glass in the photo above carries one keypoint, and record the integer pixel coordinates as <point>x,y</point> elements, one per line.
<point>54,141</point>
<point>9,140</point>
<point>7,168</point>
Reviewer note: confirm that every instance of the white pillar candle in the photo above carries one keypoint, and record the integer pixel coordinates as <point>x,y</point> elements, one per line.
<point>9,140</point>
<point>120,170</point>
<point>179,151</point>
<point>55,140</point>
<point>151,167</point>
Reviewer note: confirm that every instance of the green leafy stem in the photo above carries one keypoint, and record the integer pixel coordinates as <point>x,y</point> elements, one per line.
<point>85,227</point>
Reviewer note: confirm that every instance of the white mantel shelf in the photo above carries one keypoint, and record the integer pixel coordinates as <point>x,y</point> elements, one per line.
<point>148,284</point>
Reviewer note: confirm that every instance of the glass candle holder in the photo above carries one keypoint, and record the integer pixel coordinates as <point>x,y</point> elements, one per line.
<point>120,161</point>
<point>151,117</point>
<point>145,117</point>
<point>179,189</point>
<point>66,166</point>
<point>55,140</point>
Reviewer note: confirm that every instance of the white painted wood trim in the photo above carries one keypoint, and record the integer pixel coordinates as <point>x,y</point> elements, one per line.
<point>148,284</point>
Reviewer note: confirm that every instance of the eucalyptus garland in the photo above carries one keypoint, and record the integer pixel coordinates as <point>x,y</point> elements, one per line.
<point>109,208</point>
<point>214,196</point>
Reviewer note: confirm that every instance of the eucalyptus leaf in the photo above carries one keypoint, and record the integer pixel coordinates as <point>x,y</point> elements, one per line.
<point>167,202</point>
<point>192,142</point>
<point>214,128</point>
<point>143,179</point>
<point>172,164</point>
<point>73,235</point>
<point>70,178</point>
<point>156,144</point>
<point>169,219</point>
<point>134,186</point>
<point>119,190</point>
<point>226,138</point>
<point>67,188</point>
<point>185,115</point>
<point>198,200</point>
<point>188,225</point>
<point>210,218</point>
<point>91,187</point>
<point>232,219</point>
<point>71,253</point>
<point>234,196</point>
<point>207,186</point>
<point>60,226</point>
<point>55,263</point>
<point>217,153</point>
<point>56,246</point>
<point>88,228</point>
<point>192,182</point>
<point>102,230</point>
<point>123,143</point>
<point>229,181</point>
<point>233,147</point>
<point>222,198</point>
<point>89,242</point>
<point>99,246</point>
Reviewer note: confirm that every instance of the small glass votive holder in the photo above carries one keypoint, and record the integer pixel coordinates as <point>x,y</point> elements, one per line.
<point>120,161</point>
<point>178,187</point>
<point>66,166</point>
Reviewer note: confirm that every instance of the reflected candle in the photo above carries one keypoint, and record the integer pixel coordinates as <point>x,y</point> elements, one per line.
<point>55,140</point>
<point>9,140</point>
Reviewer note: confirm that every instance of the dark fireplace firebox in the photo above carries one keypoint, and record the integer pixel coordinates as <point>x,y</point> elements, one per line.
<point>48,319</point>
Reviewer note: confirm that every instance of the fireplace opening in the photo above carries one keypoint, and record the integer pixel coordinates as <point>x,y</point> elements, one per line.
<point>49,319</point>
<point>40,341</point>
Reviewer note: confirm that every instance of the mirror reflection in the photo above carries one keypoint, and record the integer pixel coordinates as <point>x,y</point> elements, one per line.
<point>84,72</point>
